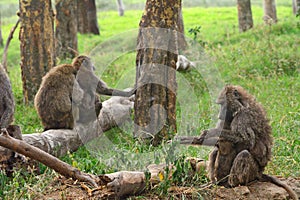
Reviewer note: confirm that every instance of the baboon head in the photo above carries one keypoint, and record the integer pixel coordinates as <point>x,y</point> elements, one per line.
<point>83,61</point>
<point>232,99</point>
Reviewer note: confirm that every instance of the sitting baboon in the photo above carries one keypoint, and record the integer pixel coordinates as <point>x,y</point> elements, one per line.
<point>58,97</point>
<point>242,141</point>
<point>67,94</point>
<point>7,105</point>
<point>90,107</point>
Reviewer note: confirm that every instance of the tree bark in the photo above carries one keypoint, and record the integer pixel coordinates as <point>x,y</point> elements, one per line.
<point>66,28</point>
<point>182,44</point>
<point>157,51</point>
<point>37,44</point>
<point>244,15</point>
<point>270,15</point>
<point>82,17</point>
<point>87,17</point>
<point>296,7</point>
<point>92,17</point>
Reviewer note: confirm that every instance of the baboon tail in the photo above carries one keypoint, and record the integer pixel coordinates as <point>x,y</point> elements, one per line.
<point>276,181</point>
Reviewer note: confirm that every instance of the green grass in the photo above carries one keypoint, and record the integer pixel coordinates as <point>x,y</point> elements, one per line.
<point>265,60</point>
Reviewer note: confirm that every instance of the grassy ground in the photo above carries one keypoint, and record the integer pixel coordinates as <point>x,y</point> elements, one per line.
<point>265,60</point>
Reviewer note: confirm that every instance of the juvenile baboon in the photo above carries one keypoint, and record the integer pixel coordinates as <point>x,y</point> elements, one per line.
<point>242,141</point>
<point>58,97</point>
<point>92,85</point>
<point>7,105</point>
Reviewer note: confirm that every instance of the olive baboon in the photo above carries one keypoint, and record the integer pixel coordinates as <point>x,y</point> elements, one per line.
<point>7,105</point>
<point>67,94</point>
<point>92,85</point>
<point>242,140</point>
<point>53,101</point>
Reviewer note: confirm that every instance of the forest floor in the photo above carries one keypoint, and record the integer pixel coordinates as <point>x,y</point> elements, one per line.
<point>68,189</point>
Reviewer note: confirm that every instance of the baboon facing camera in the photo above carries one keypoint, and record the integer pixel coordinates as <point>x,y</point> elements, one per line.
<point>242,140</point>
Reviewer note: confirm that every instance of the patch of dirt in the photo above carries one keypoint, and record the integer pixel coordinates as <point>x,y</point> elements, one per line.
<point>68,189</point>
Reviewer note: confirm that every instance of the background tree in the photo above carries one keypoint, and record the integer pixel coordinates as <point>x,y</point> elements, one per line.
<point>296,6</point>
<point>244,15</point>
<point>1,38</point>
<point>121,8</point>
<point>36,44</point>
<point>270,14</point>
<point>66,28</point>
<point>155,102</point>
<point>87,17</point>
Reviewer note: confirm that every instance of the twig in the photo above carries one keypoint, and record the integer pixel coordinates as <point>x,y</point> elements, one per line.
<point>10,37</point>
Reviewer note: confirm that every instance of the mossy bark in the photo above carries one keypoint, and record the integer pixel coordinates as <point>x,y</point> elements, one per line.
<point>37,44</point>
<point>157,51</point>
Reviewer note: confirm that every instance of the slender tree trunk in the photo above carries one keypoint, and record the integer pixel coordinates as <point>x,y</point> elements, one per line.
<point>1,38</point>
<point>157,51</point>
<point>121,8</point>
<point>244,15</point>
<point>270,15</point>
<point>66,28</point>
<point>296,6</point>
<point>92,17</point>
<point>37,44</point>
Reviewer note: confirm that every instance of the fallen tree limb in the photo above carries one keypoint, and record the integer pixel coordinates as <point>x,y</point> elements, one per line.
<point>35,153</point>
<point>114,112</point>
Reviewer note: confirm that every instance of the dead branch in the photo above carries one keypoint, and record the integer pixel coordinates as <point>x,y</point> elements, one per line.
<point>35,153</point>
<point>10,37</point>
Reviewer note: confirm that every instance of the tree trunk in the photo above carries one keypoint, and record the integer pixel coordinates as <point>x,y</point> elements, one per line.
<point>244,15</point>
<point>121,8</point>
<point>270,15</point>
<point>37,44</point>
<point>66,28</point>
<point>182,44</point>
<point>87,17</point>
<point>92,17</point>
<point>1,38</point>
<point>296,7</point>
<point>157,51</point>
<point>82,17</point>
<point>114,112</point>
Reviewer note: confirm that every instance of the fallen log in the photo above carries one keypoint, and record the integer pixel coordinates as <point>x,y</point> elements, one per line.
<point>114,112</point>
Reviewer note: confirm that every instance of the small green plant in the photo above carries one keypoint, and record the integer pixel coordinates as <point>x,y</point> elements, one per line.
<point>195,31</point>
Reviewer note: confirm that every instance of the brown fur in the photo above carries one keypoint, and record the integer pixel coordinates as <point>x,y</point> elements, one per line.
<point>243,141</point>
<point>53,101</point>
<point>7,105</point>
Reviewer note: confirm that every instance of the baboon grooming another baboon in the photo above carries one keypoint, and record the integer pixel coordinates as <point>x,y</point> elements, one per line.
<point>90,107</point>
<point>7,105</point>
<point>242,140</point>
<point>67,94</point>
